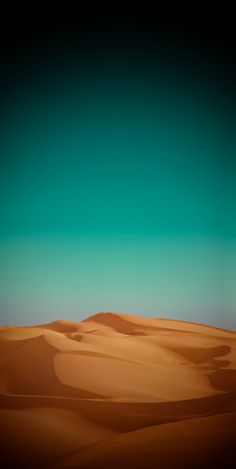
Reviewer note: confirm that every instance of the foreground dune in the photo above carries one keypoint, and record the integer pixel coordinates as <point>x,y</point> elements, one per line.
<point>117,390</point>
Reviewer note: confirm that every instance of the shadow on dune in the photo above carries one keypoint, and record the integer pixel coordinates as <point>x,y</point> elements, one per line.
<point>201,355</point>
<point>199,443</point>
<point>87,353</point>
<point>126,416</point>
<point>184,442</point>
<point>61,326</point>
<point>28,366</point>
<point>218,457</point>
<point>124,326</point>
<point>221,379</point>
<point>224,380</point>
<point>214,364</point>
<point>74,336</point>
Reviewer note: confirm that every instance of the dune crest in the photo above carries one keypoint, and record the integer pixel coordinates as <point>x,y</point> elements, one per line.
<point>118,390</point>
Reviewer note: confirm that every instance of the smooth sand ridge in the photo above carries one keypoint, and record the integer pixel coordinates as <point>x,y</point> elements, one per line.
<point>111,374</point>
<point>125,416</point>
<point>199,443</point>
<point>127,322</point>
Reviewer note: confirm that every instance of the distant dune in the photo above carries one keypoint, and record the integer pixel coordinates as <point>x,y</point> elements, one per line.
<point>118,391</point>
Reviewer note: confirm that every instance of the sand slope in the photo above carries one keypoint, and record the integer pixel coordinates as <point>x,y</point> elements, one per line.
<point>117,390</point>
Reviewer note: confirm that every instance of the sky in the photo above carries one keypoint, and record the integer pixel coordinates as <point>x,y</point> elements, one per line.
<point>117,183</point>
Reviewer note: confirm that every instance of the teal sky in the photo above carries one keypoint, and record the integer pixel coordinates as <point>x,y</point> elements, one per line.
<point>117,194</point>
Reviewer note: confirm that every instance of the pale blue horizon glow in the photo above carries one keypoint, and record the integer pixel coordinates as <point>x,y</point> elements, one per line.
<point>72,277</point>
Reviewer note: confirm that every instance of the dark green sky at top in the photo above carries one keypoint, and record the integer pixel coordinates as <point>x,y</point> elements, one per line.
<point>109,157</point>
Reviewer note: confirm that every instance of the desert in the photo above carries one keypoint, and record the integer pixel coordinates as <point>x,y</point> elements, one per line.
<point>117,390</point>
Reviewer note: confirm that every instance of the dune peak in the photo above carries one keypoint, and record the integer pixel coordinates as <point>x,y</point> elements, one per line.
<point>61,325</point>
<point>102,315</point>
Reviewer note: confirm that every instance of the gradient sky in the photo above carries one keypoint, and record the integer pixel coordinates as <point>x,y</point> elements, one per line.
<point>117,188</point>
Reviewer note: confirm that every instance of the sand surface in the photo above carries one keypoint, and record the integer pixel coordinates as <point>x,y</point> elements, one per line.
<point>117,391</point>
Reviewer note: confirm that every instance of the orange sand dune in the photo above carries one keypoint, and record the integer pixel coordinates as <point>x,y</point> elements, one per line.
<point>202,442</point>
<point>117,390</point>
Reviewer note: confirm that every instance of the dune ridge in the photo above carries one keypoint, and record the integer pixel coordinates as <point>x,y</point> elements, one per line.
<point>116,390</point>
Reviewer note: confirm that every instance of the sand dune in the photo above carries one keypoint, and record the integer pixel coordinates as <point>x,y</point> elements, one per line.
<point>117,390</point>
<point>202,442</point>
